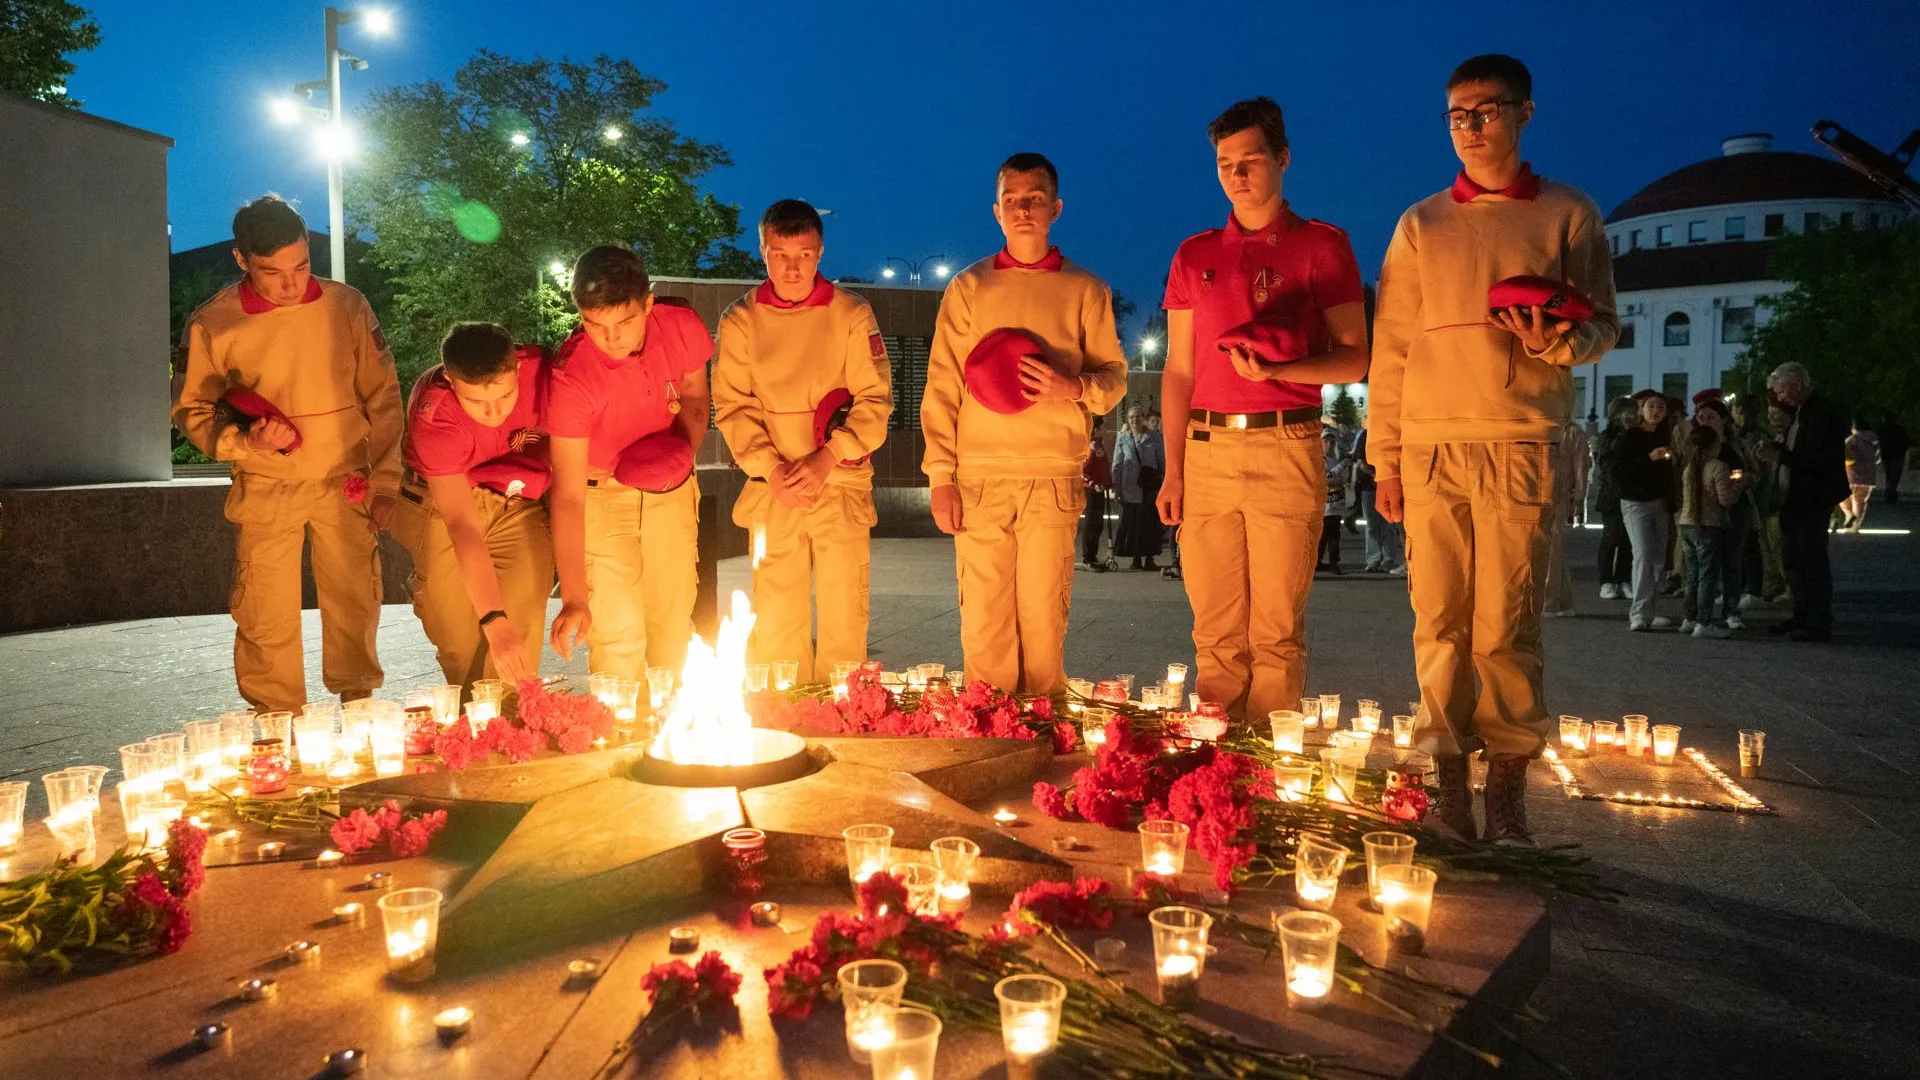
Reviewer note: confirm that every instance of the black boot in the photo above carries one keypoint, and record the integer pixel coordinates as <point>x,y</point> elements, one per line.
<point>1450,808</point>
<point>1507,801</point>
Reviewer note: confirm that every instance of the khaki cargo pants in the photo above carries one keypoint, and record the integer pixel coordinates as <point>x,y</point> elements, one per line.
<point>273,520</point>
<point>819,557</point>
<point>1478,533</point>
<point>642,574</point>
<point>1250,528</point>
<point>520,542</point>
<point>1015,564</point>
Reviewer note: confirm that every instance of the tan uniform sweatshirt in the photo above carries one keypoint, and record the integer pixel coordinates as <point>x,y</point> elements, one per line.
<point>776,363</point>
<point>1069,310</point>
<point>323,363</point>
<point>1441,372</point>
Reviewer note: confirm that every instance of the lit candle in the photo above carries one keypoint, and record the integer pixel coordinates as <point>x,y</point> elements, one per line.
<point>1004,816</point>
<point>272,849</point>
<point>328,859</point>
<point>866,870</point>
<point>870,1033</point>
<point>1161,865</point>
<point>405,947</point>
<point>1029,1036</point>
<point>1313,893</point>
<point>258,989</point>
<point>453,1023</point>
<point>303,952</point>
<point>350,914</point>
<point>9,835</point>
<point>1309,984</point>
<point>1179,977</point>
<point>583,970</point>
<point>955,896</point>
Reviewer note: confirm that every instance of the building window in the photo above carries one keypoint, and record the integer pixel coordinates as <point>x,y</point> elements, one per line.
<point>1679,330</point>
<point>1810,222</point>
<point>1846,219</point>
<point>1580,394</point>
<point>1776,224</point>
<point>1736,228</point>
<point>1696,232</point>
<point>1633,241</point>
<point>1663,236</point>
<point>1617,387</point>
<point>1736,325</point>
<point>1674,385</point>
<point>1615,242</point>
<point>1626,336</point>
<point>1873,221</point>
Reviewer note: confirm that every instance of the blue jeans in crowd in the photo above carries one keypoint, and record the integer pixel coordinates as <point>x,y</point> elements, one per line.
<point>1704,545</point>
<point>1386,540</point>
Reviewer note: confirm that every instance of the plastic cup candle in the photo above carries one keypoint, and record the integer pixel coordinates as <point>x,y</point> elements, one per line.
<point>389,739</point>
<point>480,714</point>
<point>1582,737</point>
<point>954,856</point>
<point>870,991</point>
<point>1341,774</point>
<point>1634,734</point>
<point>915,1045</point>
<point>236,739</point>
<point>67,793</point>
<point>867,850</point>
<point>1666,742</point>
<point>273,725</point>
<point>1406,898</point>
<point>72,830</point>
<point>1079,692</point>
<point>1293,778</point>
<point>446,704</point>
<point>756,678</point>
<point>1309,944</point>
<point>13,813</point>
<point>313,741</point>
<point>786,674</point>
<point>1163,847</point>
<point>922,880</point>
<point>1289,731</point>
<point>1177,680</point>
<point>601,685</point>
<point>412,921</point>
<point>172,761</point>
<point>1753,747</point>
<point>203,753</point>
<point>1029,1015</point>
<point>1310,711</point>
<point>1385,849</point>
<point>1317,864</point>
<point>1604,732</point>
<point>659,687</point>
<point>1569,728</point>
<point>1179,953</point>
<point>1330,711</point>
<point>1402,731</point>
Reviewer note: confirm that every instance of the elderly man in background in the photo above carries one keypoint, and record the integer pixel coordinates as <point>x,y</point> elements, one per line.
<point>1812,462</point>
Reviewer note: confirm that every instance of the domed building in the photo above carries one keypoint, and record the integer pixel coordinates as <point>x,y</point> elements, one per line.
<point>1690,261</point>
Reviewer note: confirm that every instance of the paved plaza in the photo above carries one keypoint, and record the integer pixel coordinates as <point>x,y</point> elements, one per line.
<point>1747,946</point>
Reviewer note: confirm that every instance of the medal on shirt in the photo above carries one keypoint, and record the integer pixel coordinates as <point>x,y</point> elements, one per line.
<point>673,399</point>
<point>1261,281</point>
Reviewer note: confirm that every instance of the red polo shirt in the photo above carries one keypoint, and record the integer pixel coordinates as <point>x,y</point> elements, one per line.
<point>1293,269</point>
<point>442,440</point>
<point>615,403</point>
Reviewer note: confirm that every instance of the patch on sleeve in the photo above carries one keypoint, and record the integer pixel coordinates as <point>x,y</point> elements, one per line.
<point>876,344</point>
<point>379,339</point>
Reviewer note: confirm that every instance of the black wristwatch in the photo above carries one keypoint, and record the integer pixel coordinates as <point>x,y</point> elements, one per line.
<point>490,616</point>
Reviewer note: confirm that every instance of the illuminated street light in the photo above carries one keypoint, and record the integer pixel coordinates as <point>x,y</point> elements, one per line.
<point>519,138</point>
<point>887,273</point>
<point>940,268</point>
<point>1149,345</point>
<point>378,21</point>
<point>285,111</point>
<point>612,133</point>
<point>335,144</point>
<point>557,268</point>
<point>941,271</point>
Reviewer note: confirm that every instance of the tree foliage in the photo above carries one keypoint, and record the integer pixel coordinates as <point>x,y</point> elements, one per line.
<point>1344,411</point>
<point>472,192</point>
<point>36,37</point>
<point>1852,317</point>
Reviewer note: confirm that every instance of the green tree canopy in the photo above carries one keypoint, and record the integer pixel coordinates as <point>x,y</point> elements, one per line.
<point>1852,317</point>
<point>36,37</point>
<point>473,192</point>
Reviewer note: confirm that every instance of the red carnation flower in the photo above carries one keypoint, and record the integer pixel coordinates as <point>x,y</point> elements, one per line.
<point>389,815</point>
<point>408,840</point>
<point>355,832</point>
<point>716,981</point>
<point>1065,738</point>
<point>186,857</point>
<point>1050,801</point>
<point>355,487</point>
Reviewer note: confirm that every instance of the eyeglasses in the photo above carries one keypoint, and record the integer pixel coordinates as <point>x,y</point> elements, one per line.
<point>1479,116</point>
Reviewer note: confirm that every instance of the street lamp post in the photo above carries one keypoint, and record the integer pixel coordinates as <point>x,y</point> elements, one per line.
<point>940,268</point>
<point>377,22</point>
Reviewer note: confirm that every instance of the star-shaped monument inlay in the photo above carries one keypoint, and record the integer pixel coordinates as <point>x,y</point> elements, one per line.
<point>575,840</point>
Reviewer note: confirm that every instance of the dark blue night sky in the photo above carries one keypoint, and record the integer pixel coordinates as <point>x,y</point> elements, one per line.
<point>894,116</point>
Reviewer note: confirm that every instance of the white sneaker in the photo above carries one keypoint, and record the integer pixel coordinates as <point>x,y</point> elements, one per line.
<point>1687,626</point>
<point>1398,571</point>
<point>1609,591</point>
<point>1749,601</point>
<point>1709,630</point>
<point>1661,622</point>
<point>1735,622</point>
<point>1637,625</point>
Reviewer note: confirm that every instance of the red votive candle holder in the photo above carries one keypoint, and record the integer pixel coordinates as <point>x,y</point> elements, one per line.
<point>267,772</point>
<point>1110,691</point>
<point>746,861</point>
<point>422,729</point>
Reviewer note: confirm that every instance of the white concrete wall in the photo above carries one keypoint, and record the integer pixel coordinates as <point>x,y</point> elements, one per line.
<point>83,299</point>
<point>1861,214</point>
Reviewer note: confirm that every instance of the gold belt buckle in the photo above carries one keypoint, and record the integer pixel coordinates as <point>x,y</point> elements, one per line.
<point>1237,420</point>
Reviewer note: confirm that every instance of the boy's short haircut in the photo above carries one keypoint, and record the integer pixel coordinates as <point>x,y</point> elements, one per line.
<point>266,225</point>
<point>791,217</point>
<point>1028,161</point>
<point>1495,67</point>
<point>1259,112</point>
<point>609,276</point>
<point>477,351</point>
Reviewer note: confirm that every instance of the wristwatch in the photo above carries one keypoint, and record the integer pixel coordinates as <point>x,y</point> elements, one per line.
<point>490,616</point>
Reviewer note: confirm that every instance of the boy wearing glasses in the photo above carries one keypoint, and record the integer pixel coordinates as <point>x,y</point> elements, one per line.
<point>1260,313</point>
<point>1464,412</point>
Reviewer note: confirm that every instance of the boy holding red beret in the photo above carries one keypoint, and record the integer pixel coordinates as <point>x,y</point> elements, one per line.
<point>1464,412</point>
<point>1006,431</point>
<point>802,393</point>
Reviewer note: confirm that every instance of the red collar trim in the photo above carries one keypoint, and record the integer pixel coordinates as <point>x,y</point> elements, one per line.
<point>821,296</point>
<point>254,304</point>
<point>1240,234</point>
<point>1526,186</point>
<point>1049,263</point>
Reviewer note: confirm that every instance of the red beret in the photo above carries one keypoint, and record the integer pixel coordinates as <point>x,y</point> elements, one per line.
<point>254,407</point>
<point>501,474</point>
<point>993,370</point>
<point>830,415</point>
<point>1711,393</point>
<point>1555,298</point>
<point>1272,341</point>
<point>658,463</point>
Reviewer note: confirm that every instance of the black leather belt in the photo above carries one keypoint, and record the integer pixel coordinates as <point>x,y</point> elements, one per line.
<point>1254,421</point>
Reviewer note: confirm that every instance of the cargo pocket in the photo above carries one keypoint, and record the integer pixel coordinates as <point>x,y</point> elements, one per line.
<point>750,509</point>
<point>856,506</point>
<point>1071,498</point>
<point>1529,481</point>
<point>1417,467</point>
